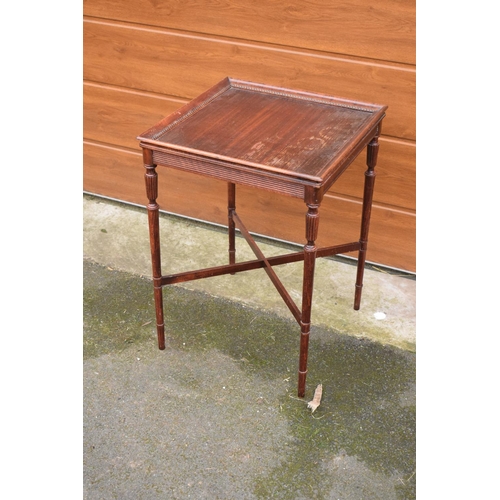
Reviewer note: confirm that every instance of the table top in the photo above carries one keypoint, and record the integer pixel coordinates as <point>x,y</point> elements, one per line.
<point>290,133</point>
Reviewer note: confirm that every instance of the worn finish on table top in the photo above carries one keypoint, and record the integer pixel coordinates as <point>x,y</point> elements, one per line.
<point>296,134</point>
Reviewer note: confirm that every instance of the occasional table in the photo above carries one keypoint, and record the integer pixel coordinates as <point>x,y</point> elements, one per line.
<point>289,142</point>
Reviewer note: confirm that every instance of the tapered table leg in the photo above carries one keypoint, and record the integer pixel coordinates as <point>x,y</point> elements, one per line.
<point>231,207</point>
<point>154,238</point>
<point>312,222</point>
<point>371,161</point>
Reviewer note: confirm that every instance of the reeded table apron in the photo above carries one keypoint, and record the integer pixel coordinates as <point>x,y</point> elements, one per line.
<point>280,140</point>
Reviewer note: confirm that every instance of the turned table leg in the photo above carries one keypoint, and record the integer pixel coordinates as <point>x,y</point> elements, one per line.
<point>154,237</point>
<point>231,207</point>
<point>371,161</point>
<point>312,222</point>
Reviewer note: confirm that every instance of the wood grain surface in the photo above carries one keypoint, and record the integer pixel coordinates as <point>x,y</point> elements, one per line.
<point>383,30</point>
<point>144,59</point>
<point>113,115</point>
<point>183,65</point>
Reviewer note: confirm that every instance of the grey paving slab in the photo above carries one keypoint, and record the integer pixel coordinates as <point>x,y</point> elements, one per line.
<point>116,235</point>
<point>215,415</point>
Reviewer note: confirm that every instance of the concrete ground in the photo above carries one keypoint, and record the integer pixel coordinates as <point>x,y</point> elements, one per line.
<point>215,415</point>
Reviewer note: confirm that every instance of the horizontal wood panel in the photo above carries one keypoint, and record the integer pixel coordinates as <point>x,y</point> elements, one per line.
<point>383,30</point>
<point>395,182</point>
<point>117,117</point>
<point>181,65</point>
<point>119,174</point>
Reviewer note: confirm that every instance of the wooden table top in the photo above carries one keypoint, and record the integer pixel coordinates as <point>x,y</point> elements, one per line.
<point>295,134</point>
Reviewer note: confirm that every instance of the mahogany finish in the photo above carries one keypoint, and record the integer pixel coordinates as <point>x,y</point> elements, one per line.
<point>284,141</point>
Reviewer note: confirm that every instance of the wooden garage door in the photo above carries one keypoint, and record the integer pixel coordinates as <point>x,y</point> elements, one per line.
<point>143,60</point>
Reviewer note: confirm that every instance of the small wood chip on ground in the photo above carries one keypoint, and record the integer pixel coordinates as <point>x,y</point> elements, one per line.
<point>316,399</point>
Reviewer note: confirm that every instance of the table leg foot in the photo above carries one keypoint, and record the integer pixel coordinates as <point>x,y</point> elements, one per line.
<point>357,293</point>
<point>301,392</point>
<point>231,207</point>
<point>160,326</point>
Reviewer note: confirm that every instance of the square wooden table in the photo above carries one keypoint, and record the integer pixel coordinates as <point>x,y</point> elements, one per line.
<point>285,141</point>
